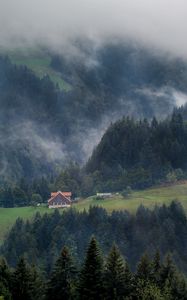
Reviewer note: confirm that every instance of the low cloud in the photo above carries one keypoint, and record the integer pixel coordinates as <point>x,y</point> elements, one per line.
<point>176,98</point>
<point>57,23</point>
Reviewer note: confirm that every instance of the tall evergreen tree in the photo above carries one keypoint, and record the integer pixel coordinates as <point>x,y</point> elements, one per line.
<point>172,280</point>
<point>156,268</point>
<point>144,269</point>
<point>62,281</point>
<point>118,278</point>
<point>5,280</point>
<point>22,282</point>
<point>37,284</point>
<point>91,276</point>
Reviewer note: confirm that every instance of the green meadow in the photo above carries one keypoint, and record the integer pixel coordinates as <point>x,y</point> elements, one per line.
<point>149,198</point>
<point>8,217</point>
<point>38,60</point>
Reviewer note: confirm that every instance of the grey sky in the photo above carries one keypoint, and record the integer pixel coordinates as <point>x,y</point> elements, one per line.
<point>159,23</point>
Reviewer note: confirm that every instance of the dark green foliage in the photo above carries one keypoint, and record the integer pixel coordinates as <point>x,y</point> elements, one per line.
<point>149,291</point>
<point>24,194</point>
<point>26,282</point>
<point>91,277</point>
<point>62,280</point>
<point>21,283</point>
<point>118,280</point>
<point>37,284</point>
<point>171,280</point>
<point>139,154</point>
<point>5,280</point>
<point>144,269</point>
<point>163,228</point>
<point>156,268</point>
<point>36,117</point>
<point>114,281</point>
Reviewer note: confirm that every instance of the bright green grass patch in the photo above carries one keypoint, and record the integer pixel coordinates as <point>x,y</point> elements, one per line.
<point>38,60</point>
<point>8,216</point>
<point>149,198</point>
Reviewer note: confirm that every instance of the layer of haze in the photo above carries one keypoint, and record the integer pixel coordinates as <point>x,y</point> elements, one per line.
<point>158,23</point>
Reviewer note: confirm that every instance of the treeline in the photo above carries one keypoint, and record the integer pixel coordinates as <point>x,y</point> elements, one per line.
<point>139,154</point>
<point>132,154</point>
<point>24,193</point>
<point>97,277</point>
<point>135,154</point>
<point>40,240</point>
<point>37,119</point>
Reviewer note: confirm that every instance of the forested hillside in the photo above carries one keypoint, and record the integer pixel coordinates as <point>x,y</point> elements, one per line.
<point>140,154</point>
<point>96,277</point>
<point>43,127</point>
<point>40,240</point>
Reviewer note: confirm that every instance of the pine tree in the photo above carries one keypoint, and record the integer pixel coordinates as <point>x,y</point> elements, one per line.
<point>172,280</point>
<point>118,278</point>
<point>144,269</point>
<point>5,274</point>
<point>91,276</point>
<point>62,282</point>
<point>21,285</point>
<point>5,280</point>
<point>37,284</point>
<point>148,291</point>
<point>156,268</point>
<point>168,271</point>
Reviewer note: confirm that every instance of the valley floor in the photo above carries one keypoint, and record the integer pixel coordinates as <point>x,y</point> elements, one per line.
<point>149,198</point>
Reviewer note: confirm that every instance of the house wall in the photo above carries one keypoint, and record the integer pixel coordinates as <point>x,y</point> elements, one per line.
<point>59,206</point>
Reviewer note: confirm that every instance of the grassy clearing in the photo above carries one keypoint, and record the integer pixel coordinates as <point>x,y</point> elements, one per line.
<point>38,60</point>
<point>148,198</point>
<point>8,217</point>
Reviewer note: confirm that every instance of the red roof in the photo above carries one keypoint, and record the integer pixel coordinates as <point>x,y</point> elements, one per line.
<point>66,195</point>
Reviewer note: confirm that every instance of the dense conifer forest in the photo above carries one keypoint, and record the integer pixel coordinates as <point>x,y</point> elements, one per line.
<point>43,128</point>
<point>131,155</point>
<point>97,277</point>
<point>140,153</point>
<point>40,240</point>
<point>93,150</point>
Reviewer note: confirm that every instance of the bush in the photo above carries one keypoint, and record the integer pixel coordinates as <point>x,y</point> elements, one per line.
<point>127,192</point>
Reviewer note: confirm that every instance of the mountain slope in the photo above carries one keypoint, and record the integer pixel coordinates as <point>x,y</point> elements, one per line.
<point>140,154</point>
<point>43,127</point>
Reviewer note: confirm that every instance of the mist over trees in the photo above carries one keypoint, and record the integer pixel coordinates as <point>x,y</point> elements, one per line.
<point>140,153</point>
<point>42,127</point>
<point>131,155</point>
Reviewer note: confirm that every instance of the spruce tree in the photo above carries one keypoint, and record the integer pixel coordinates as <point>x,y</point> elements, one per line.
<point>5,273</point>
<point>172,280</point>
<point>156,268</point>
<point>21,285</point>
<point>91,276</point>
<point>62,281</point>
<point>37,284</point>
<point>118,278</point>
<point>5,280</point>
<point>144,269</point>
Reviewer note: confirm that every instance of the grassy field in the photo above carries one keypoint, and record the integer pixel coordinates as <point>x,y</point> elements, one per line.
<point>148,198</point>
<point>8,217</point>
<point>38,60</point>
